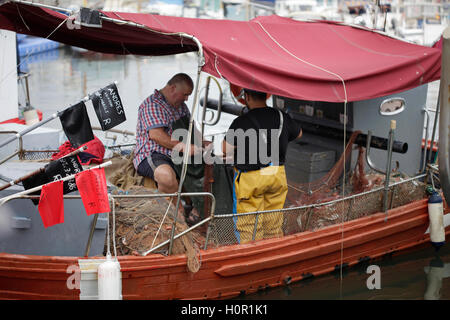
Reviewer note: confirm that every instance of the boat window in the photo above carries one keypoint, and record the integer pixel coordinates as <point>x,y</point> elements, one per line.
<point>392,106</point>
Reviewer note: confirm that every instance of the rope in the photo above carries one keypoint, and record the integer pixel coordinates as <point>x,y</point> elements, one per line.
<point>306,62</point>
<point>215,66</point>
<point>343,215</point>
<point>32,51</point>
<point>345,131</point>
<point>113,211</point>
<point>159,229</point>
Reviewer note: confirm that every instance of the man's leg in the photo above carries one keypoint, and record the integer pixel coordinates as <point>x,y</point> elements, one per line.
<point>247,198</point>
<point>160,168</point>
<point>166,179</point>
<point>167,182</point>
<point>274,198</point>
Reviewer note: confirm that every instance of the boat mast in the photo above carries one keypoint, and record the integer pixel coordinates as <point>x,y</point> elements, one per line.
<point>444,117</point>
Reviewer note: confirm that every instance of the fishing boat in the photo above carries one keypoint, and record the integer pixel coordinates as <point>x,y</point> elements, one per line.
<point>346,85</point>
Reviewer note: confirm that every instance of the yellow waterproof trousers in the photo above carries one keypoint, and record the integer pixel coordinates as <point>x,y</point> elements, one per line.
<point>259,190</point>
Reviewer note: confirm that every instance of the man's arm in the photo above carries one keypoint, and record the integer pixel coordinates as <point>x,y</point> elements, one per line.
<point>197,133</point>
<point>227,149</point>
<point>163,139</point>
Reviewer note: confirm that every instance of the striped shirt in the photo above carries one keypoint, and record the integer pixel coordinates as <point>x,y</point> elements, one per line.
<point>155,112</point>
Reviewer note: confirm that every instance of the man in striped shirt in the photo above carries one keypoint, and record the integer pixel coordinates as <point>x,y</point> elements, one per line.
<point>154,146</point>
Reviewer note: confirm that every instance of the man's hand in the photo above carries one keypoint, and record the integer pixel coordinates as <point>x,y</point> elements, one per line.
<point>182,147</point>
<point>206,143</point>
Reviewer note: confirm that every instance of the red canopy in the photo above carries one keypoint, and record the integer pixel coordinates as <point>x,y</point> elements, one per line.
<point>302,60</point>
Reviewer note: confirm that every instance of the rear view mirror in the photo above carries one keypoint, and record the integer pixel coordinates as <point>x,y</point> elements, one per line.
<point>392,106</point>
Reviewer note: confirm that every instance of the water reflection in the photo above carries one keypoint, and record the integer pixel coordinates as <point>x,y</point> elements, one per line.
<point>436,272</point>
<point>56,84</point>
<point>413,276</point>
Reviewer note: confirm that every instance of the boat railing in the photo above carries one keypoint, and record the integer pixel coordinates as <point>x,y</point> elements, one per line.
<point>122,145</point>
<point>21,195</point>
<point>227,229</point>
<point>26,154</point>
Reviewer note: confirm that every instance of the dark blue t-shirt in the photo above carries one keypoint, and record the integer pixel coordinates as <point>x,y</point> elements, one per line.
<point>256,138</point>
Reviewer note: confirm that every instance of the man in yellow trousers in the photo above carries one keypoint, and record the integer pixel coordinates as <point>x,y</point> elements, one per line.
<point>258,142</point>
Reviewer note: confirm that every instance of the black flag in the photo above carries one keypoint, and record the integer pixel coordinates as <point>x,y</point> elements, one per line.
<point>58,169</point>
<point>76,124</point>
<point>34,181</point>
<point>108,107</point>
<point>55,170</point>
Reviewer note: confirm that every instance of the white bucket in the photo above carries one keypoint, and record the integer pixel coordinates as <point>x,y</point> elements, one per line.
<point>31,117</point>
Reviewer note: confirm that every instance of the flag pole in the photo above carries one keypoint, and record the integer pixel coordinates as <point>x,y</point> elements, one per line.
<point>38,188</point>
<point>13,182</point>
<point>41,123</point>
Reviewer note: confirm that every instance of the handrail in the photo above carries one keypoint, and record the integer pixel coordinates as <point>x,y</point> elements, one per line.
<point>136,196</point>
<point>31,190</point>
<point>368,160</point>
<point>13,182</point>
<point>124,132</point>
<point>424,159</point>
<point>219,105</point>
<point>321,204</point>
<point>388,166</point>
<point>17,152</point>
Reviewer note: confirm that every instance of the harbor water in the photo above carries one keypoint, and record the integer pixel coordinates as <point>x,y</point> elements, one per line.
<point>61,78</point>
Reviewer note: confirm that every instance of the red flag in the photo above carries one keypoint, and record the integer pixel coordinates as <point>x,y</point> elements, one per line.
<point>51,204</point>
<point>92,187</point>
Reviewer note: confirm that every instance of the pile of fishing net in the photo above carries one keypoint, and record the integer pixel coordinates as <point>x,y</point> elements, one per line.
<point>144,223</point>
<point>330,189</point>
<point>123,175</point>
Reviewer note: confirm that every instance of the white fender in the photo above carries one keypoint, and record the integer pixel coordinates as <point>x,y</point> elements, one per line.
<point>109,280</point>
<point>436,216</point>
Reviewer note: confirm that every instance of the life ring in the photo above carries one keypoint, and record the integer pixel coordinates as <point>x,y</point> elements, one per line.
<point>238,93</point>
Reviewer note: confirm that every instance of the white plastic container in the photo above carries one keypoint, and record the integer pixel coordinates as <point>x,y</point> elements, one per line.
<point>31,117</point>
<point>436,215</point>
<point>109,280</point>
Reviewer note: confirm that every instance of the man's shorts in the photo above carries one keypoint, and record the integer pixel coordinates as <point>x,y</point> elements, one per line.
<point>148,166</point>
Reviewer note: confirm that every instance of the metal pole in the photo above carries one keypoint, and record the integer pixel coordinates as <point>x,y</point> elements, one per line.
<point>31,128</point>
<point>208,81</point>
<point>424,159</point>
<point>11,183</point>
<point>41,5</point>
<point>91,235</point>
<point>388,167</point>
<point>25,192</point>
<point>40,123</point>
<point>177,236</point>
<point>185,158</point>
<point>433,135</point>
<point>444,117</point>
<point>255,227</point>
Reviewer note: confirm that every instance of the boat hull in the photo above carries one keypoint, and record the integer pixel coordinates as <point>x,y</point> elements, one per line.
<point>229,270</point>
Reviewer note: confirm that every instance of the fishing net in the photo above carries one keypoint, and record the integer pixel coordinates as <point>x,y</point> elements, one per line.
<point>142,224</point>
<point>326,201</point>
<point>36,154</point>
<point>123,175</point>
<point>322,189</point>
